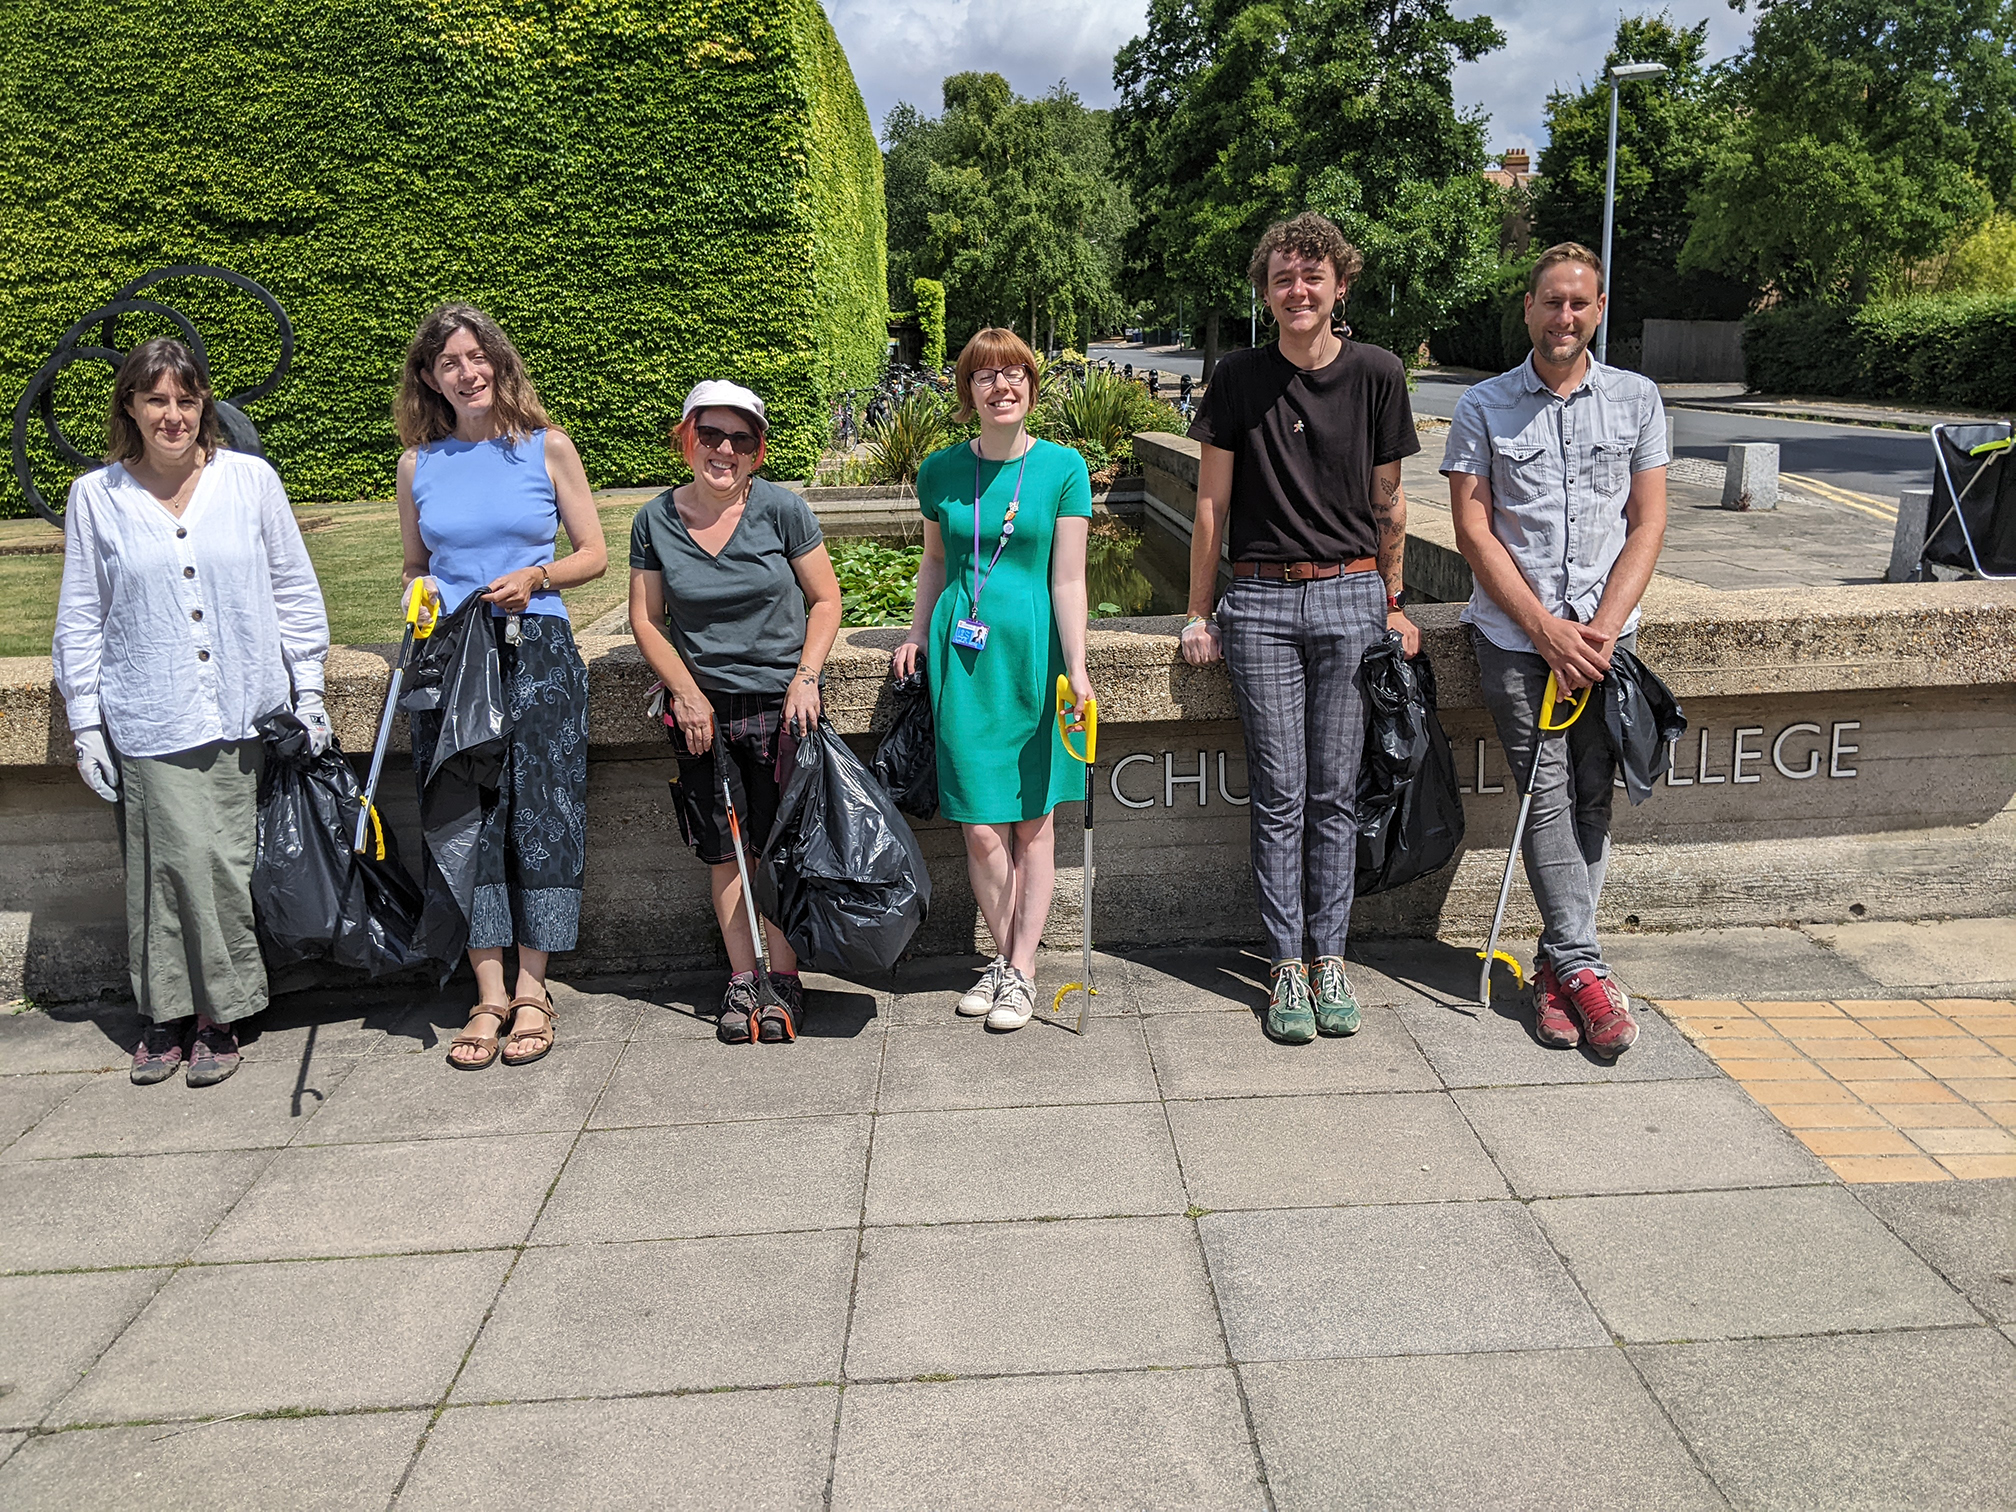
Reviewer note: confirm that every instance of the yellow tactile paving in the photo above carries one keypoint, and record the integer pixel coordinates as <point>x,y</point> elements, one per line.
<point>1880,1090</point>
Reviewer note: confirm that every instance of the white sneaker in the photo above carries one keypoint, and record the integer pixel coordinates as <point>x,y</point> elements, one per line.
<point>979,998</point>
<point>1016,1004</point>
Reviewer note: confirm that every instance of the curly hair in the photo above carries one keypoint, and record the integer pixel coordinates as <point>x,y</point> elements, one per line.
<point>423,413</point>
<point>1306,235</point>
<point>146,365</point>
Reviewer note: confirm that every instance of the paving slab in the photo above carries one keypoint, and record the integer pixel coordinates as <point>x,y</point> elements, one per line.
<point>1742,964</point>
<point>1226,1055</point>
<point>327,1334</point>
<point>1966,1230</point>
<point>1463,1431</point>
<point>1060,1162</point>
<point>1925,1421</point>
<point>1368,1147</point>
<point>683,1315</point>
<point>690,1081</point>
<point>345,1463</point>
<point>382,1199</point>
<point>1471,1046</point>
<point>1647,1137</point>
<point>736,1451</point>
<point>405,1097</point>
<point>262,1106</point>
<point>990,1299</point>
<point>54,1328</point>
<point>1198,979</point>
<point>696,1180</point>
<point>583,1016</point>
<point>1173,1440</point>
<point>69,1039</point>
<point>1439,1278</point>
<point>292,1032</point>
<point>1717,1265</point>
<point>91,1214</point>
<point>1939,958</point>
<point>963,1065</point>
<point>26,1100</point>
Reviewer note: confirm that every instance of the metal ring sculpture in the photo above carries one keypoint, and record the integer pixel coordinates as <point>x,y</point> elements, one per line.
<point>239,432</point>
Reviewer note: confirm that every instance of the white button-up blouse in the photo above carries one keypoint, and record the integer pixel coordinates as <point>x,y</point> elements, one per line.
<point>174,634</point>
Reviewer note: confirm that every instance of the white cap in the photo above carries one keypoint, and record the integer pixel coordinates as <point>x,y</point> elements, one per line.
<point>719,393</point>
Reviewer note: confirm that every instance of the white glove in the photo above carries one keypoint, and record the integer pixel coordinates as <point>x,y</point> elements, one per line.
<point>95,764</point>
<point>308,709</point>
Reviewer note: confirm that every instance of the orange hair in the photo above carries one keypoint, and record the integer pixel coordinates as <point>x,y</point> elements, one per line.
<point>686,434</point>
<point>994,348</point>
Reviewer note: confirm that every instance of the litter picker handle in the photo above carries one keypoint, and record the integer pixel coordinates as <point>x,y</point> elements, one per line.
<point>1552,698</point>
<point>1069,724</point>
<point>423,609</point>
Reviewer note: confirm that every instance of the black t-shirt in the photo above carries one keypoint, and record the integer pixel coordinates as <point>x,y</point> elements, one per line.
<point>1304,445</point>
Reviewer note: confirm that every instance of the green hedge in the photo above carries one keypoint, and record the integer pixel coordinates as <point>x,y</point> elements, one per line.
<point>1957,349</point>
<point>1490,331</point>
<point>644,192</point>
<point>931,316</point>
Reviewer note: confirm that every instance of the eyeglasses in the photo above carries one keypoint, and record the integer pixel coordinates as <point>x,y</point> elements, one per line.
<point>988,377</point>
<point>710,438</point>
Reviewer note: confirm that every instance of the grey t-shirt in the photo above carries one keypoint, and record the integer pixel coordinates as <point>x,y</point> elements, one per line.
<point>738,619</point>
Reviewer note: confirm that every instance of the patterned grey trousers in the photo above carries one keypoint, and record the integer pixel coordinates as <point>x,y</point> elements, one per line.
<point>1293,651</point>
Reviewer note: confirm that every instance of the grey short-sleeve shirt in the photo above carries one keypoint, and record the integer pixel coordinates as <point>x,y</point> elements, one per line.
<point>738,619</point>
<point>1560,470</point>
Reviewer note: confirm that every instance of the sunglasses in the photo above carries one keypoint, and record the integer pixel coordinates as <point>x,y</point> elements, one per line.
<point>710,438</point>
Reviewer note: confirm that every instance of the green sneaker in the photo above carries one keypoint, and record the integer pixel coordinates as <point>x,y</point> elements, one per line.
<point>1291,1020</point>
<point>1336,1009</point>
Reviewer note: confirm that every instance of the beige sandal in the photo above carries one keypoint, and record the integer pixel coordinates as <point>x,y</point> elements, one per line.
<point>484,1042</point>
<point>542,1037</point>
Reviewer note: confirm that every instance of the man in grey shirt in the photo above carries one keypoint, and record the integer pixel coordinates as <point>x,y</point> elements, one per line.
<point>1557,479</point>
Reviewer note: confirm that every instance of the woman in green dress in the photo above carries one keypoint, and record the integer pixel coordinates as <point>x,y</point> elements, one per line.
<point>1000,613</point>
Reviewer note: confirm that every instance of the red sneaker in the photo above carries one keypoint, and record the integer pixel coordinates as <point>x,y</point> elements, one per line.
<point>1551,1022</point>
<point>1604,1011</point>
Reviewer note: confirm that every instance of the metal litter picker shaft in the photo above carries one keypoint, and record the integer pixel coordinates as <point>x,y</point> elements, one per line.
<point>1087,733</point>
<point>766,991</point>
<point>1577,703</point>
<point>422,614</point>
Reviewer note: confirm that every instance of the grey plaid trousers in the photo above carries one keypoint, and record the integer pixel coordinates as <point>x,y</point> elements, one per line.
<point>1293,651</point>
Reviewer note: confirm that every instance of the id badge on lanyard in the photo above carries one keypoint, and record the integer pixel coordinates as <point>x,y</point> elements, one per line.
<point>970,634</point>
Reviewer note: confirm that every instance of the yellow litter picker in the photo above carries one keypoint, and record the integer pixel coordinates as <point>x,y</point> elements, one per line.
<point>1548,701</point>
<point>1081,739</point>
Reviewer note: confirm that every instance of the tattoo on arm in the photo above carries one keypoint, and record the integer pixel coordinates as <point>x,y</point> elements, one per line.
<point>1389,509</point>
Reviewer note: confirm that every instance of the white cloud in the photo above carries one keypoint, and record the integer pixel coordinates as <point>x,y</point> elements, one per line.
<point>903,49</point>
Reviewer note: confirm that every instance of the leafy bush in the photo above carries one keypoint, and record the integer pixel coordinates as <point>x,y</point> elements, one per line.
<point>843,472</point>
<point>914,429</point>
<point>1957,349</point>
<point>1490,331</point>
<point>643,194</point>
<point>878,583</point>
<point>1098,414</point>
<point>931,317</point>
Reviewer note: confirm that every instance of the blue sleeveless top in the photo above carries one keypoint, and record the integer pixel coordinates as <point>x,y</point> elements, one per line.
<point>486,508</point>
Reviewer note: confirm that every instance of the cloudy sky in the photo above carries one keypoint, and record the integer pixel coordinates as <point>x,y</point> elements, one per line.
<point>900,49</point>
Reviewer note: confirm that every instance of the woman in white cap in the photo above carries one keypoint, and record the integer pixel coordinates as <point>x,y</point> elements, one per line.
<point>734,604</point>
<point>485,484</point>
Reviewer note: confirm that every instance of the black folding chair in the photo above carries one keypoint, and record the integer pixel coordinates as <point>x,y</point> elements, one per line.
<point>1973,517</point>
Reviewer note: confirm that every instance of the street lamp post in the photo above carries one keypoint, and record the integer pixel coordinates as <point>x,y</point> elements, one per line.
<point>1618,75</point>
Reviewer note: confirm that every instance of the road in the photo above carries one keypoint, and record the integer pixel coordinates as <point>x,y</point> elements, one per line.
<point>1866,463</point>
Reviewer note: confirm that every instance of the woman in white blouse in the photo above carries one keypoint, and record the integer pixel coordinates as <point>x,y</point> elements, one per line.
<point>189,609</point>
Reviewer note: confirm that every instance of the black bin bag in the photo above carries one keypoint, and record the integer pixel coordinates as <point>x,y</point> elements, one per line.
<point>906,762</point>
<point>1642,719</point>
<point>313,898</point>
<point>842,875</point>
<point>1410,813</point>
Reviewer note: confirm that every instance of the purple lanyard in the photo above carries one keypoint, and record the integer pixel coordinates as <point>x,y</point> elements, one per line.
<point>1007,523</point>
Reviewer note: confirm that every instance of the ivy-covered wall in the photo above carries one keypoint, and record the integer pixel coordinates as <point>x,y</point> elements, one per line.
<point>644,192</point>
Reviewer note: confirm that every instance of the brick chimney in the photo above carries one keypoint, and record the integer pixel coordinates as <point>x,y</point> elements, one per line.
<point>1517,162</point>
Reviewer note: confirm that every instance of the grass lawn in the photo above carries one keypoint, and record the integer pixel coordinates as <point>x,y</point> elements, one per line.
<point>355,548</point>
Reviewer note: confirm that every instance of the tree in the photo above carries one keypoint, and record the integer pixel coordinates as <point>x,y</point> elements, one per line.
<point>1872,133</point>
<point>1233,114</point>
<point>1011,204</point>
<point>1668,129</point>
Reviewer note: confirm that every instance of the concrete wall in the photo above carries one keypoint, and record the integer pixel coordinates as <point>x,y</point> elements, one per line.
<point>1693,351</point>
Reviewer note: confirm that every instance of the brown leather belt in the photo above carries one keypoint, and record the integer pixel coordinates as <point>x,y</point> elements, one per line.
<point>1303,572</point>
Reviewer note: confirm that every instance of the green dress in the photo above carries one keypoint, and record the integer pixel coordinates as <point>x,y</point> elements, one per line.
<point>1000,758</point>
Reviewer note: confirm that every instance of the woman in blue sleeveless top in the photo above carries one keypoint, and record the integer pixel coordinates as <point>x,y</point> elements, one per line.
<point>484,484</point>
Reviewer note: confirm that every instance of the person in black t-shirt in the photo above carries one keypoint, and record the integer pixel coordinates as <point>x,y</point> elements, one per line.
<point>1302,444</point>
